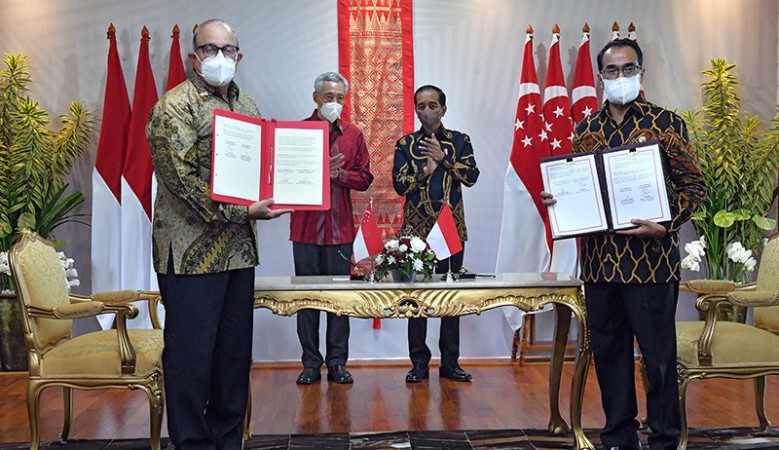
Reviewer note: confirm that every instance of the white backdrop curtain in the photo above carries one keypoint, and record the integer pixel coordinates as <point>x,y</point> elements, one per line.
<point>470,48</point>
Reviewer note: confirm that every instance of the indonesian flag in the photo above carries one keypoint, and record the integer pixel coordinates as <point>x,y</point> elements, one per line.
<point>368,241</point>
<point>136,185</point>
<point>525,240</point>
<point>443,238</point>
<point>176,72</point>
<point>584,100</point>
<point>107,180</point>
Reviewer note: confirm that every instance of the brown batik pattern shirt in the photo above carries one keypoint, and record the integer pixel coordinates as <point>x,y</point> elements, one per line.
<point>615,258</point>
<point>201,235</point>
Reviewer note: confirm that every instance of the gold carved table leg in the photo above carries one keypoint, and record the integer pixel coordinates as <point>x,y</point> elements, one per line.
<point>557,424</point>
<point>580,369</point>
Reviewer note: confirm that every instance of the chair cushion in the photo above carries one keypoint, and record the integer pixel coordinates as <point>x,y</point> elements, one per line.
<point>734,344</point>
<point>97,354</point>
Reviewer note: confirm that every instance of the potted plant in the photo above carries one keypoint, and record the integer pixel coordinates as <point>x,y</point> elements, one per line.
<point>739,157</point>
<point>34,162</point>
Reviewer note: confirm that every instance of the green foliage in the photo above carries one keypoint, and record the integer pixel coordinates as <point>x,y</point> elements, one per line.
<point>739,158</point>
<point>34,160</point>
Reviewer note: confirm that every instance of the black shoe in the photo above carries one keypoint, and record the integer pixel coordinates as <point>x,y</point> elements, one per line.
<point>339,374</point>
<point>456,374</point>
<point>309,376</point>
<point>636,446</point>
<point>417,374</point>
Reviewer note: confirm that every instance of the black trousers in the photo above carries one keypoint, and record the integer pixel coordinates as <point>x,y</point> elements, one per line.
<point>449,337</point>
<point>207,356</point>
<point>617,313</point>
<point>313,259</point>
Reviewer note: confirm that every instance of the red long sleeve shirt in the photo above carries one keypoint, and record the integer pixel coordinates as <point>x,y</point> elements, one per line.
<point>336,225</point>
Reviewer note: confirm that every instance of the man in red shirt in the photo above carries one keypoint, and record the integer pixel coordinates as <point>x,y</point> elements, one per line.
<point>322,240</point>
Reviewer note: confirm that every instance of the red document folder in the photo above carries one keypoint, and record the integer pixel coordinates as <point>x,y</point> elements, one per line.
<point>269,176</point>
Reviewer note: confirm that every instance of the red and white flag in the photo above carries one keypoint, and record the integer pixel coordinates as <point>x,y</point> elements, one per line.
<point>107,180</point>
<point>524,242</point>
<point>176,72</point>
<point>584,100</point>
<point>136,184</point>
<point>368,241</point>
<point>559,127</point>
<point>443,238</point>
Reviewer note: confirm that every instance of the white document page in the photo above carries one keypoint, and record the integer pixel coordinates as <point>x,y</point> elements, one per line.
<point>636,186</point>
<point>298,166</point>
<point>575,186</point>
<point>237,158</point>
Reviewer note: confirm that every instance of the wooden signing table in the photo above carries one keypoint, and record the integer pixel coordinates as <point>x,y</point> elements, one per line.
<point>528,291</point>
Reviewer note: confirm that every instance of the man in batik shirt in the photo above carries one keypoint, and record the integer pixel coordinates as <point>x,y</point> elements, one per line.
<point>204,252</point>
<point>431,165</point>
<point>631,277</point>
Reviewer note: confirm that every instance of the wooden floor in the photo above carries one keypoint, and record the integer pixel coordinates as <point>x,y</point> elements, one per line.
<point>502,395</point>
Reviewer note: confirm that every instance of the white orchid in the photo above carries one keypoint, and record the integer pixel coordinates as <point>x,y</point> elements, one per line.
<point>696,250</point>
<point>379,258</point>
<point>392,244</point>
<point>5,267</point>
<point>750,264</point>
<point>70,273</point>
<point>691,263</point>
<point>390,260</point>
<point>417,245</point>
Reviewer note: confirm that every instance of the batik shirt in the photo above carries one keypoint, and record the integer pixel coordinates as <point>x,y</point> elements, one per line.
<point>616,258</point>
<point>426,195</point>
<point>201,235</point>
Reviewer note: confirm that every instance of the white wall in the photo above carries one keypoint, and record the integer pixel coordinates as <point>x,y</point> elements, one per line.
<point>470,48</point>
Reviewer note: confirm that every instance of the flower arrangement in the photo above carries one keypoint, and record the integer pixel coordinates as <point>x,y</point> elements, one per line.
<point>69,272</point>
<point>407,255</point>
<point>739,260</point>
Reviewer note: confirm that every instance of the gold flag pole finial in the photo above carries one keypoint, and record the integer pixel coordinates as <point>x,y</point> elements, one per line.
<point>111,31</point>
<point>529,30</point>
<point>194,29</point>
<point>586,28</point>
<point>176,31</point>
<point>145,34</point>
<point>615,27</point>
<point>556,29</point>
<point>631,28</point>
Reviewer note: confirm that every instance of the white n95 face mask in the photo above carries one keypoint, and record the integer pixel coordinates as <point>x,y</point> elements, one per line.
<point>622,90</point>
<point>217,70</point>
<point>331,111</point>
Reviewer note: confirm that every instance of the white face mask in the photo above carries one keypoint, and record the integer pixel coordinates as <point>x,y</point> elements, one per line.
<point>622,90</point>
<point>217,70</point>
<point>331,111</point>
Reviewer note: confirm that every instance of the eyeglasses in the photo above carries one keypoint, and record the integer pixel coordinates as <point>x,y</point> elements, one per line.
<point>230,51</point>
<point>612,73</point>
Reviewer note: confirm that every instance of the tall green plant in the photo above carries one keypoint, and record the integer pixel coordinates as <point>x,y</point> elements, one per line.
<point>34,160</point>
<point>739,158</point>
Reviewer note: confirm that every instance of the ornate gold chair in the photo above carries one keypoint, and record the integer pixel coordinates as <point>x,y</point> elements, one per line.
<point>119,358</point>
<point>716,348</point>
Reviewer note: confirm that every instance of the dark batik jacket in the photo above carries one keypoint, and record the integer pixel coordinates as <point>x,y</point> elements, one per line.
<point>426,195</point>
<point>203,236</point>
<point>615,258</point>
